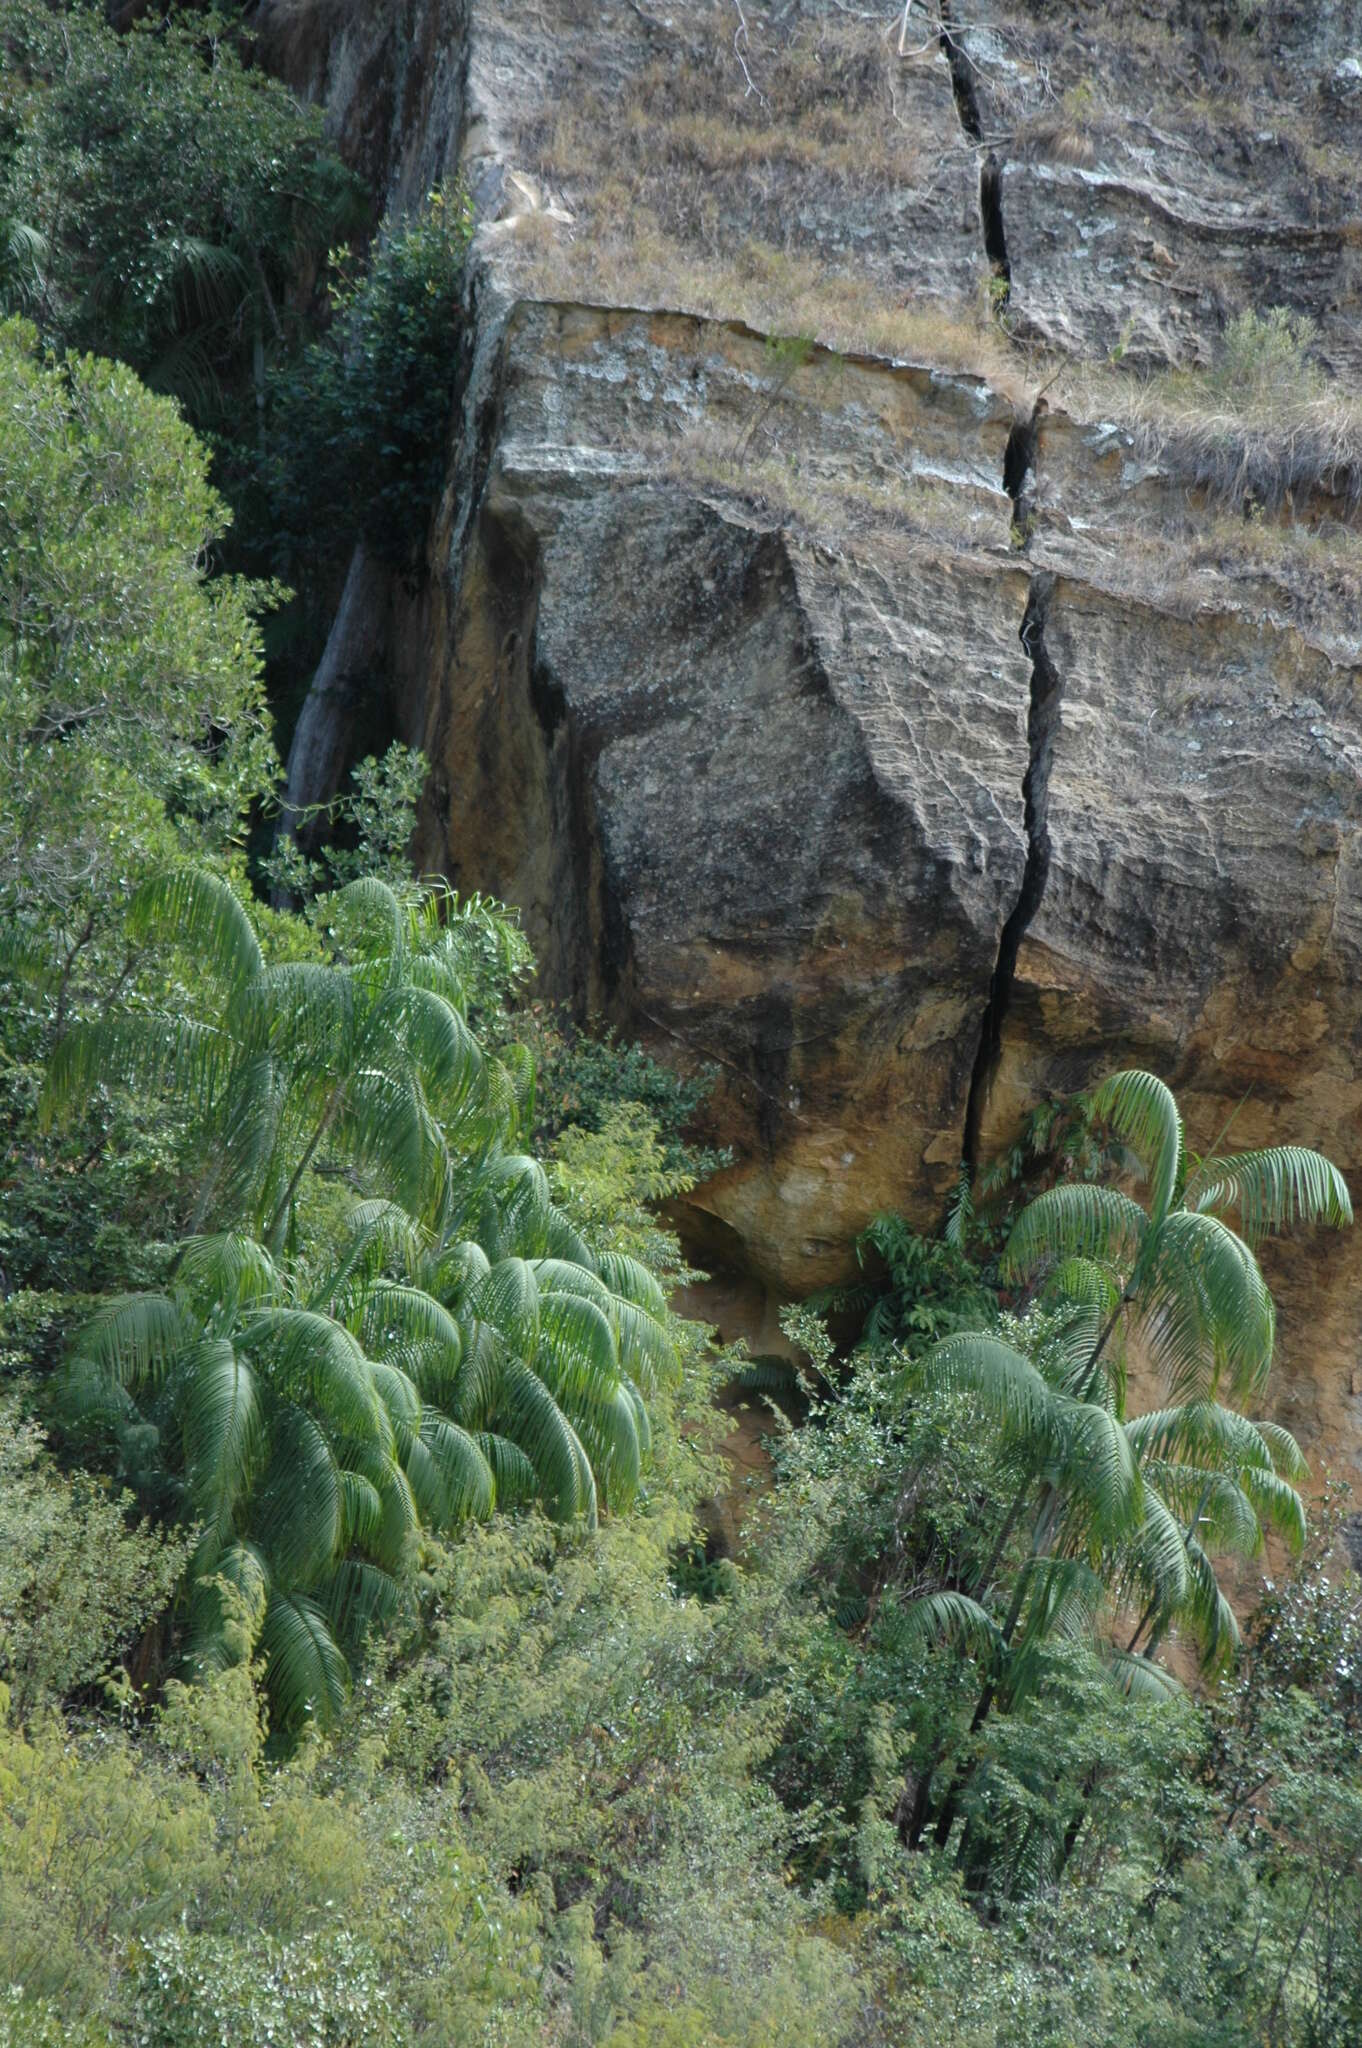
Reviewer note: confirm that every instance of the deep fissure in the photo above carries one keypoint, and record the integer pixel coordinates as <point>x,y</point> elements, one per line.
<point>1042,722</point>
<point>990,169</point>
<point>962,75</point>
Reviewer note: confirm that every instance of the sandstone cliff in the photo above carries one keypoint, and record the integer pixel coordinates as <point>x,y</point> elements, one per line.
<point>877,646</point>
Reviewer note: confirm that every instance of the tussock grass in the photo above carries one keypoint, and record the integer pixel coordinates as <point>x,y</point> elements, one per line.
<point>1263,430</point>
<point>774,291</point>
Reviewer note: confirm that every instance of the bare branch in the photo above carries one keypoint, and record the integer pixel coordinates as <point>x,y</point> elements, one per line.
<point>743,40</point>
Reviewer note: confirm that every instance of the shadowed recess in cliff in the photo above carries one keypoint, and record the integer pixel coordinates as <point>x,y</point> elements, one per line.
<point>1041,725</point>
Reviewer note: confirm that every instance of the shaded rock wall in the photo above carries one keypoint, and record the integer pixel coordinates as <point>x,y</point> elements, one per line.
<point>859,685</point>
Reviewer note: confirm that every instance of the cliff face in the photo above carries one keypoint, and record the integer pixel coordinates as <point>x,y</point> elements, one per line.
<point>868,634</point>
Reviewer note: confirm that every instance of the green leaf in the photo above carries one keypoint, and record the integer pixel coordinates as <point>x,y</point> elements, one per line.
<point>1098,1225</point>
<point>304,1667</point>
<point>1139,1108</point>
<point>197,910</point>
<point>222,1428</point>
<point>1205,1310</point>
<point>576,1355</point>
<point>626,1277</point>
<point>1275,1188</point>
<point>948,1617</point>
<point>507,1297</point>
<point>133,1338</point>
<point>465,1486</point>
<point>1006,1385</point>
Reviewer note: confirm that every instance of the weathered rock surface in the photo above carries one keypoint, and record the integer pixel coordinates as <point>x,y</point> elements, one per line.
<point>906,729</point>
<point>705,753</point>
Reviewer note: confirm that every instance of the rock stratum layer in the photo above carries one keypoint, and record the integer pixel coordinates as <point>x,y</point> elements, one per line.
<point>878,647</point>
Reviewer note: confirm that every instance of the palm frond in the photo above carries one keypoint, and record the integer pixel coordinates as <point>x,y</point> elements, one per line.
<point>370,918</point>
<point>1076,1220</point>
<point>562,1241</point>
<point>226,1271</point>
<point>530,1417</point>
<point>1086,1285</point>
<point>302,1008</point>
<point>1278,1505</point>
<point>196,909</point>
<point>945,1617</point>
<point>1208,1612</point>
<point>519,1187</point>
<point>566,1276</point>
<point>386,1127</point>
<point>28,957</point>
<point>646,1350</point>
<point>133,1338</point>
<point>474,1393</point>
<point>151,1054</point>
<point>457,1272</point>
<point>1006,1385</point>
<point>305,1668</point>
<point>1102,1477</point>
<point>1139,1678</point>
<point>1285,1452</point>
<point>357,1597</point>
<point>1205,1308</point>
<point>1274,1188</point>
<point>1156,1560</point>
<point>608,1431</point>
<point>515,1477</point>
<point>212,276</point>
<point>228,1596</point>
<point>444,1051</point>
<point>631,1281</point>
<point>576,1355</point>
<point>1200,1432</point>
<point>303,1351</point>
<point>298,1508</point>
<point>400,1396</point>
<point>362,1508</point>
<point>507,1297</point>
<point>1139,1108</point>
<point>221,1421</point>
<point>409,1327</point>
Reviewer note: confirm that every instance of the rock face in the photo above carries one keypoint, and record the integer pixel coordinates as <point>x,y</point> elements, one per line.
<point>704,751</point>
<point>868,630</point>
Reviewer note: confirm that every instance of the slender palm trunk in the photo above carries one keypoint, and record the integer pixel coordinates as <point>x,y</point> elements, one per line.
<point>274,1229</point>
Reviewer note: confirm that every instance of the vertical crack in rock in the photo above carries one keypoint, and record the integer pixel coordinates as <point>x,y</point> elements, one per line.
<point>990,169</point>
<point>1042,723</point>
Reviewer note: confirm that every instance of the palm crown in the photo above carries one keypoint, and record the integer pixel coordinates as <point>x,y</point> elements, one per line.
<point>1121,1511</point>
<point>463,1347</point>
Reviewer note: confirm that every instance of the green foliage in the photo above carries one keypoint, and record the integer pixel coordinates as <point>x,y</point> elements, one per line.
<point>586,1074</point>
<point>131,716</point>
<point>360,421</point>
<point>77,1578</point>
<point>185,277</point>
<point>319,1382</point>
<point>210,1991</point>
<point>1264,357</point>
<point>931,1287</point>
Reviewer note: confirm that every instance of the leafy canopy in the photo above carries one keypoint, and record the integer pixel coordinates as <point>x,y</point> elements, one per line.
<point>311,1398</point>
<point>132,721</point>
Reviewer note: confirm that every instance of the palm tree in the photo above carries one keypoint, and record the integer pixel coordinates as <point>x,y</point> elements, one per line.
<point>307,1465</point>
<point>367,1055</point>
<point>1194,1479</point>
<point>454,1349</point>
<point>543,1349</point>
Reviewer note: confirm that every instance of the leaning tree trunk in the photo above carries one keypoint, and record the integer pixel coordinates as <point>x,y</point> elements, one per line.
<point>349,677</point>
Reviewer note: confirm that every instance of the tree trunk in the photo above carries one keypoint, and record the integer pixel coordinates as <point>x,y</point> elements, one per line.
<point>350,676</point>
